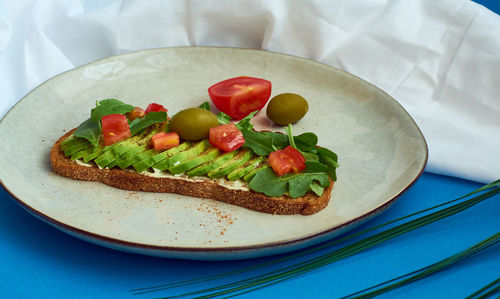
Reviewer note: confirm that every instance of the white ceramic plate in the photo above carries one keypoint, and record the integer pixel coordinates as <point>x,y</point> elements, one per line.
<point>381,152</point>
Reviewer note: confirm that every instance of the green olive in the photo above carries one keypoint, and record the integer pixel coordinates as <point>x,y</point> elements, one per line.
<point>286,108</point>
<point>193,123</point>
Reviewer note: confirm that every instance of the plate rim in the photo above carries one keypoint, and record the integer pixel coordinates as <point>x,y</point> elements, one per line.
<point>219,249</point>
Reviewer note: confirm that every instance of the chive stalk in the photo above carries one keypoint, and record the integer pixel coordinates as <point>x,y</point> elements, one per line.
<point>285,273</point>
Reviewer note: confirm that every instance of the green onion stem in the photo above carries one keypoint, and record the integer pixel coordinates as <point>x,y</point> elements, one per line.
<point>303,252</point>
<point>426,271</point>
<point>304,267</point>
<point>486,291</point>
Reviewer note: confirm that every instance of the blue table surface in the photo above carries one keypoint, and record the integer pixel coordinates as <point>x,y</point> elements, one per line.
<point>37,260</point>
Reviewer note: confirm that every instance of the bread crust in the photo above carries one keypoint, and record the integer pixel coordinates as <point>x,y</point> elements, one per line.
<point>129,180</point>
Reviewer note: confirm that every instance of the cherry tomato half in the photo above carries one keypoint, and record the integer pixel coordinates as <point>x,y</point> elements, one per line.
<point>153,107</point>
<point>226,137</point>
<point>238,97</point>
<point>163,141</point>
<point>286,160</point>
<point>114,128</point>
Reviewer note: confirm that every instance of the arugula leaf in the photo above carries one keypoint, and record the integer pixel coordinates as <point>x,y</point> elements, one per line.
<point>329,158</point>
<point>265,181</point>
<point>264,143</point>
<point>149,119</point>
<point>134,122</point>
<point>306,141</point>
<point>223,118</point>
<point>314,166</point>
<point>107,107</point>
<point>300,183</point>
<point>316,188</point>
<point>310,156</point>
<point>205,105</point>
<point>278,142</point>
<point>244,123</point>
<point>297,185</point>
<point>89,130</point>
<point>327,155</point>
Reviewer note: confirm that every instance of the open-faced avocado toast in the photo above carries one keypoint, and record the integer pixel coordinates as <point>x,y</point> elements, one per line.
<point>200,154</point>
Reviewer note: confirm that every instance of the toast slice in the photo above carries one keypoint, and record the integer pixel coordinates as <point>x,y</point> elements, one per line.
<point>202,187</point>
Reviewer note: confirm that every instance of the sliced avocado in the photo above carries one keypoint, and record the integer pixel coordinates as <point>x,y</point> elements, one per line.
<point>66,142</point>
<point>124,151</point>
<point>99,151</point>
<point>137,157</point>
<point>193,151</point>
<point>145,164</point>
<point>110,157</point>
<point>116,150</point>
<point>74,148</point>
<point>125,146</point>
<point>211,165</point>
<point>107,155</point>
<point>72,141</point>
<point>248,177</point>
<point>83,153</point>
<point>106,158</point>
<point>96,153</point>
<point>242,157</point>
<point>208,155</point>
<point>125,161</point>
<point>245,168</point>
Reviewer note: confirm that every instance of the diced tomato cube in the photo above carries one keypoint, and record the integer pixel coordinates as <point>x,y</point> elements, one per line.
<point>114,128</point>
<point>286,160</point>
<point>226,137</point>
<point>163,141</point>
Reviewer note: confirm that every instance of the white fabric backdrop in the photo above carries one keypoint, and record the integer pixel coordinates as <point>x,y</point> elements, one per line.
<point>439,59</point>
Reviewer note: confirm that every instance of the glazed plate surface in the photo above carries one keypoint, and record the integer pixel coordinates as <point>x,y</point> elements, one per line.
<point>381,153</point>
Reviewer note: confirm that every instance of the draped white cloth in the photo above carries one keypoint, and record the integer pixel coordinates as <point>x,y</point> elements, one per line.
<point>439,59</point>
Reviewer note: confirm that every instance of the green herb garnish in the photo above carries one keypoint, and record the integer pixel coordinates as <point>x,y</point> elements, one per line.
<point>89,130</point>
<point>330,159</point>
<point>205,105</point>
<point>244,124</point>
<point>296,185</point>
<point>149,119</point>
<point>223,118</point>
<point>107,107</point>
<point>264,143</point>
<point>306,142</point>
<point>320,163</point>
